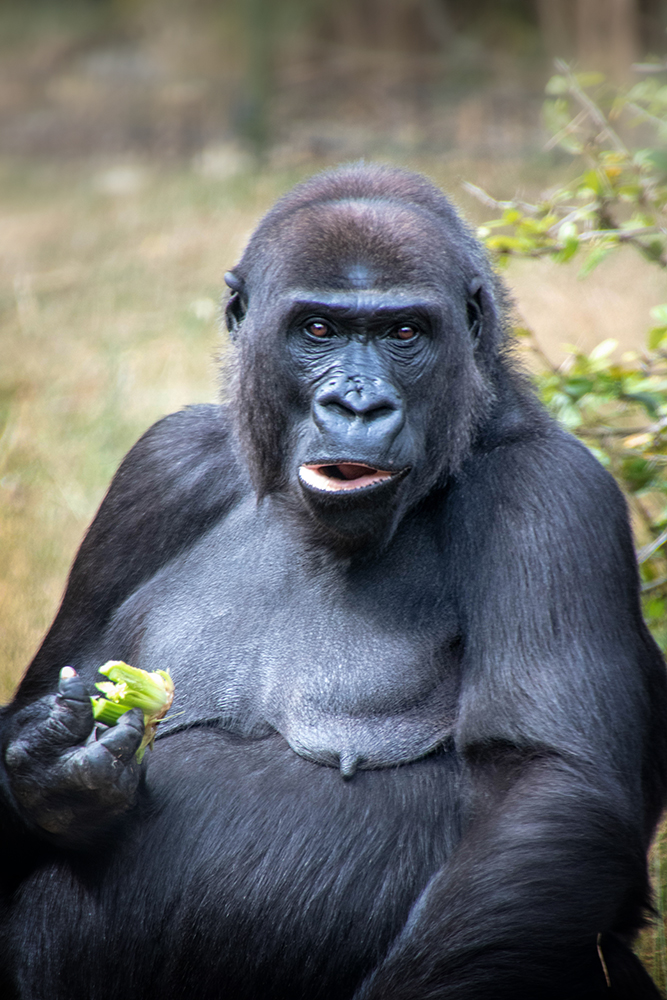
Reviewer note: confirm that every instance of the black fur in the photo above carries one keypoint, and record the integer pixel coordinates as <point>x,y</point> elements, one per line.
<point>418,748</point>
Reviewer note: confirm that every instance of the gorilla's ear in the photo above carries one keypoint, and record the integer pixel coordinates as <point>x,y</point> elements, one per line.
<point>236,307</point>
<point>475,310</point>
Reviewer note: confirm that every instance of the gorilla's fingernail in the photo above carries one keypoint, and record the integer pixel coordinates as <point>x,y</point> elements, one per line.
<point>71,686</point>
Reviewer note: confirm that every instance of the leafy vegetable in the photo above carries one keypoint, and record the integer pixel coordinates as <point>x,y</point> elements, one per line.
<point>129,687</point>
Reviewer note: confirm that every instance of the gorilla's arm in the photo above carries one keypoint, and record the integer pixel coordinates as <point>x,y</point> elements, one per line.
<point>561,728</point>
<point>178,480</point>
<point>58,775</point>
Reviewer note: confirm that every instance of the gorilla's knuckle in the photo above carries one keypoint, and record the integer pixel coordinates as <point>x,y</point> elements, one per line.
<point>17,755</point>
<point>91,767</point>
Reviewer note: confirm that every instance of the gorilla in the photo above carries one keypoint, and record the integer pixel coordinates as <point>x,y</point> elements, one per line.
<point>418,748</point>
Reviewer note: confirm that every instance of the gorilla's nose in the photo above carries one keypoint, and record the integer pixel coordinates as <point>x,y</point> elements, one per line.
<point>350,404</point>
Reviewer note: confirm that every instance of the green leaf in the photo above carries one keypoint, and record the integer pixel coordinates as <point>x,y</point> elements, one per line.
<point>638,472</point>
<point>556,115</point>
<point>588,80</point>
<point>595,257</point>
<point>655,607</point>
<point>578,387</point>
<point>658,159</point>
<point>568,250</point>
<point>657,337</point>
<point>603,349</point>
<point>630,192</point>
<point>593,181</point>
<point>650,403</point>
<point>557,86</point>
<point>508,244</point>
<point>659,313</point>
<point>571,144</point>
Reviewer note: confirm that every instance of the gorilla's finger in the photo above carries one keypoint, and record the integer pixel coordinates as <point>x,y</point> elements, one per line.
<point>71,687</point>
<point>71,718</point>
<point>123,739</point>
<point>54,724</point>
<point>91,767</point>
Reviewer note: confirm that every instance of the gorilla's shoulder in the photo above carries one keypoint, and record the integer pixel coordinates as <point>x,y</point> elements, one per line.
<point>547,481</point>
<point>202,430</point>
<point>186,457</point>
<point>179,479</point>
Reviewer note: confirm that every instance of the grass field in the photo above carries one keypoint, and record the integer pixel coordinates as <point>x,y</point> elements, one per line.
<point>109,283</point>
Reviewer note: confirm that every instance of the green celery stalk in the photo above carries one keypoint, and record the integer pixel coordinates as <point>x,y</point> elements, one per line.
<point>130,687</point>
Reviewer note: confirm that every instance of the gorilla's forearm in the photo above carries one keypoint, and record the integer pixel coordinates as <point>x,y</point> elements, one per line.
<point>179,478</point>
<point>531,900</point>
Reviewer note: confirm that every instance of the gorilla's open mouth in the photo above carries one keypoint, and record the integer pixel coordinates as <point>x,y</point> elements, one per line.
<point>343,476</point>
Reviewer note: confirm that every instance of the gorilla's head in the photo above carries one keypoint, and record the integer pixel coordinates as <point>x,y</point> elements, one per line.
<point>367,327</point>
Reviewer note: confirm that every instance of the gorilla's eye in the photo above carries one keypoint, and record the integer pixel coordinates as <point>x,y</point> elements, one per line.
<point>404,332</point>
<point>318,328</point>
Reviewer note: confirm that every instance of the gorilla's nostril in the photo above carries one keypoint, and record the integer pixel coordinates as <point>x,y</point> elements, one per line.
<point>340,408</point>
<point>356,398</point>
<point>380,412</point>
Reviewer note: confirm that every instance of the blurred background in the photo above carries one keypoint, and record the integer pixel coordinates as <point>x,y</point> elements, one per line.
<point>298,81</point>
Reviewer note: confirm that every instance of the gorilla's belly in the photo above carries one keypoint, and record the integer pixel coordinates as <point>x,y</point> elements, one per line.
<point>261,641</point>
<point>249,872</point>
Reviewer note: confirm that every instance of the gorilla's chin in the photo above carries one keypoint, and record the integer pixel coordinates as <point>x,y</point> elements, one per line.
<point>358,510</point>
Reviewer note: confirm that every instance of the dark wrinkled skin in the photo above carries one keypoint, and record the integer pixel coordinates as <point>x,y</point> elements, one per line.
<point>418,746</point>
<point>64,773</point>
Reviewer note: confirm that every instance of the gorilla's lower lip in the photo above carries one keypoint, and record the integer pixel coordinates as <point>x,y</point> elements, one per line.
<point>343,476</point>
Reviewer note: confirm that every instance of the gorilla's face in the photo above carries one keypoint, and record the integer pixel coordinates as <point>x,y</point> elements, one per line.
<point>360,339</point>
<point>364,362</point>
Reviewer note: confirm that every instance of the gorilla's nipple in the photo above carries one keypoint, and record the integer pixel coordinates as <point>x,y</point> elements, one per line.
<point>348,764</point>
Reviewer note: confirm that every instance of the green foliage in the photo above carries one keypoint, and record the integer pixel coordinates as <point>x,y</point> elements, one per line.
<point>619,409</point>
<point>620,194</point>
<point>618,197</point>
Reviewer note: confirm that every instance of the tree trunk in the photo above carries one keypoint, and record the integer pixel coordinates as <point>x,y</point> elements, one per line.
<point>607,35</point>
<point>555,19</point>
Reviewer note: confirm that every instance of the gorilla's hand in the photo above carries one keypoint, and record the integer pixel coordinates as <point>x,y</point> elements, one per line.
<point>69,777</point>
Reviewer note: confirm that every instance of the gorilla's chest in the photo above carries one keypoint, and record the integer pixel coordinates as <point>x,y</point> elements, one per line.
<point>355,665</point>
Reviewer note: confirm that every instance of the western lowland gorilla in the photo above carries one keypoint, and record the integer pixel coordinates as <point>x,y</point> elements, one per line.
<point>419,742</point>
